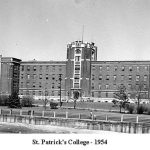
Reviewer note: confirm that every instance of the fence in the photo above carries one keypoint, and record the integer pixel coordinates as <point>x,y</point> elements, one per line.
<point>101,116</point>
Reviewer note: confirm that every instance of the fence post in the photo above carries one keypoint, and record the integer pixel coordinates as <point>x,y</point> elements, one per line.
<point>106,118</point>
<point>121,118</point>
<point>54,114</point>
<point>79,116</point>
<point>10,112</point>
<point>66,114</point>
<point>43,113</point>
<point>137,119</point>
<point>20,112</point>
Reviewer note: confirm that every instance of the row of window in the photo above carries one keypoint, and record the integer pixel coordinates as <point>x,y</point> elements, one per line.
<point>107,77</point>
<point>39,85</point>
<point>41,93</point>
<point>123,68</point>
<point>130,86</point>
<point>34,68</point>
<point>34,76</point>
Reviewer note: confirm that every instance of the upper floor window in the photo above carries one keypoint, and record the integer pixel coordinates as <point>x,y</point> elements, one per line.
<point>100,68</point>
<point>115,77</point>
<point>130,68</point>
<point>107,68</point>
<point>22,68</point>
<point>92,76</point>
<point>138,68</point>
<point>145,77</point>
<point>122,77</point>
<point>40,76</point>
<point>130,77</point>
<point>28,76</point>
<point>107,77</point>
<point>107,86</point>
<point>40,68</point>
<point>28,68</point>
<point>137,78</point>
<point>46,76</point>
<point>100,77</point>
<point>146,68</point>
<point>34,68</point>
<point>99,86</point>
<point>77,58</point>
<point>122,68</point>
<point>115,68</point>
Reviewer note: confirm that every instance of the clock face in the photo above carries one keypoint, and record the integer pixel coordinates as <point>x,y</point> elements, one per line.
<point>78,51</point>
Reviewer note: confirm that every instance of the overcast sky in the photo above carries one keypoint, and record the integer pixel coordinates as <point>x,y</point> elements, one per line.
<point>41,29</point>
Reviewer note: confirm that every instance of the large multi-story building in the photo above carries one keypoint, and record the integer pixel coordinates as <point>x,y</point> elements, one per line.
<point>81,73</point>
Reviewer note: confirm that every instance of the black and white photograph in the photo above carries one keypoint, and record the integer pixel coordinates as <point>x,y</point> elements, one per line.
<point>74,74</point>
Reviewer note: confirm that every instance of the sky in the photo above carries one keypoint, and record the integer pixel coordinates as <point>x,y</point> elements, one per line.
<point>41,29</point>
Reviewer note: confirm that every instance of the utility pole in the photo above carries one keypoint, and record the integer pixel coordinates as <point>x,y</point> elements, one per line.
<point>60,88</point>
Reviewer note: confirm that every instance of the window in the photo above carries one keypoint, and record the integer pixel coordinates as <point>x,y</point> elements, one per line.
<point>53,68</point>
<point>21,76</point>
<point>122,77</point>
<point>46,76</point>
<point>106,94</point>
<point>130,77</point>
<point>138,68</point>
<point>129,86</point>
<point>27,84</point>
<point>76,85</point>
<point>130,68</point>
<point>34,76</point>
<point>47,67</point>
<point>93,67</point>
<point>122,68</point>
<point>33,84</point>
<point>21,85</point>
<point>40,68</point>
<point>40,76</point>
<point>145,77</point>
<point>34,68</point>
<point>33,92</point>
<point>52,94</point>
<point>40,93</point>
<point>92,94</point>
<point>77,58</point>
<point>40,85</point>
<point>92,86</point>
<point>99,94</point>
<point>28,76</point>
<point>99,86</point>
<point>77,68</point>
<point>145,86</point>
<point>115,86</point>
<point>100,68</point>
<point>27,92</point>
<point>107,77</point>
<point>107,68</point>
<point>28,68</point>
<point>115,77</point>
<point>107,86</point>
<point>92,76</point>
<point>137,78</point>
<point>115,68</point>
<point>146,68</point>
<point>100,77</point>
<point>22,68</point>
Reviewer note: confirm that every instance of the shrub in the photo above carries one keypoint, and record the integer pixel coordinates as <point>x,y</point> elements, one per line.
<point>141,109</point>
<point>27,101</point>
<point>14,100</point>
<point>130,108</point>
<point>3,100</point>
<point>53,105</point>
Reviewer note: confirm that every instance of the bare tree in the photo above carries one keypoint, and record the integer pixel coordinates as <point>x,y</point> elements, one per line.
<point>139,92</point>
<point>122,97</point>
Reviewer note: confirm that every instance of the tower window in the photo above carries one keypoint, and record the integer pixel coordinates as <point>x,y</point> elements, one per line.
<point>77,58</point>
